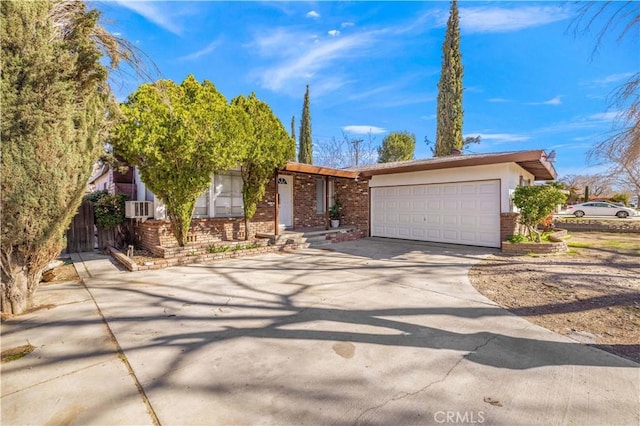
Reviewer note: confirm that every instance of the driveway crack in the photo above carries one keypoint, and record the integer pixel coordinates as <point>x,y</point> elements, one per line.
<point>403,395</point>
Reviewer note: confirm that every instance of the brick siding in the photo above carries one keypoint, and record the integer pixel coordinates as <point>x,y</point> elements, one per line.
<point>509,225</point>
<point>354,196</point>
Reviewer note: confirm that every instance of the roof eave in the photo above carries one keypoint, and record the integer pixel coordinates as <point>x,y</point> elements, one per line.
<point>534,162</point>
<point>319,170</point>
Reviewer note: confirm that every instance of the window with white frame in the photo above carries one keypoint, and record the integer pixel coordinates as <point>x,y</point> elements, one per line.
<point>228,195</point>
<point>223,198</point>
<point>321,199</point>
<point>202,204</point>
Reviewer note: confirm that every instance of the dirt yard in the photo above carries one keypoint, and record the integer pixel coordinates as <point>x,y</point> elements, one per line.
<point>591,294</point>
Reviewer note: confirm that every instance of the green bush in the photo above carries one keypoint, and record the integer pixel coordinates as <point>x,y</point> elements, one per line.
<point>108,209</point>
<point>518,238</point>
<point>536,202</point>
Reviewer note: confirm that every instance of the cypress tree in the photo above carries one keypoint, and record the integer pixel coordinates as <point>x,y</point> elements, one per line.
<point>305,150</point>
<point>54,104</point>
<point>450,113</point>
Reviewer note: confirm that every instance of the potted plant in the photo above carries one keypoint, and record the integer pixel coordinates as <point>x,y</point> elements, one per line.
<point>335,214</point>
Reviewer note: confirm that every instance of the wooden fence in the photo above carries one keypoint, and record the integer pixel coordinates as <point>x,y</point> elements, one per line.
<point>80,236</point>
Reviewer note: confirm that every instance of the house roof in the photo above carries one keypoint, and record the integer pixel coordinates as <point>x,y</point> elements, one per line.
<point>535,162</point>
<point>319,170</point>
<point>101,171</point>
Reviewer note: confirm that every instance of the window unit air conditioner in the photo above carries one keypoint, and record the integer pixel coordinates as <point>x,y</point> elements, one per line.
<point>138,209</point>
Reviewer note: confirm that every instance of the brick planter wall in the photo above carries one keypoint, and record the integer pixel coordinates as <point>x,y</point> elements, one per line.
<point>556,246</point>
<point>152,234</point>
<point>195,254</point>
<point>536,248</point>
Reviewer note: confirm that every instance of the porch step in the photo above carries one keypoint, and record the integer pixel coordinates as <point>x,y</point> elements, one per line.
<point>316,241</point>
<point>286,238</point>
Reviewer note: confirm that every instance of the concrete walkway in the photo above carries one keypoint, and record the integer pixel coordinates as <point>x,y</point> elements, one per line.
<point>375,332</point>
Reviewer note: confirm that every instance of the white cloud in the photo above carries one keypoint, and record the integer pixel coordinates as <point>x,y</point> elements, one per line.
<point>302,62</point>
<point>500,137</point>
<point>605,116</point>
<point>153,13</point>
<point>347,24</point>
<point>497,100</point>
<point>406,100</point>
<point>333,33</point>
<point>364,130</point>
<point>553,101</point>
<point>312,14</point>
<point>369,93</point>
<point>502,20</point>
<point>278,42</point>
<point>610,79</point>
<point>202,52</point>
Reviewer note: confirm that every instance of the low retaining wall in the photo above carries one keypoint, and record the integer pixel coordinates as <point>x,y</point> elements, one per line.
<point>174,256</point>
<point>556,246</point>
<point>599,225</point>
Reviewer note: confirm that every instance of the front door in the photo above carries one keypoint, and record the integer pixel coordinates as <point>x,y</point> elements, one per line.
<point>285,194</point>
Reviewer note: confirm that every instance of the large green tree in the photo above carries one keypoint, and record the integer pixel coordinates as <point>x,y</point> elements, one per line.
<point>178,136</point>
<point>305,150</point>
<point>449,110</point>
<point>268,148</point>
<point>55,114</point>
<point>397,146</point>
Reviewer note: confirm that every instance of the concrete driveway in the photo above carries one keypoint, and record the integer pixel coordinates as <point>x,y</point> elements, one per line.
<point>374,332</point>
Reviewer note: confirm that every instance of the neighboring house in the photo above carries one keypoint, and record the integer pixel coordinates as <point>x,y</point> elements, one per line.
<point>101,179</point>
<point>460,199</point>
<point>105,178</point>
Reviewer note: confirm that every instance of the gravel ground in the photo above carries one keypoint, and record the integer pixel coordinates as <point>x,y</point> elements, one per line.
<point>591,294</point>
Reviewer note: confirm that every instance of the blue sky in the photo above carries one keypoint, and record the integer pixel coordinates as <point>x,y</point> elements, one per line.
<point>530,83</point>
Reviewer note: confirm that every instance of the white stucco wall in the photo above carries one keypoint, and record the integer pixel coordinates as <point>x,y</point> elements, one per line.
<point>508,174</point>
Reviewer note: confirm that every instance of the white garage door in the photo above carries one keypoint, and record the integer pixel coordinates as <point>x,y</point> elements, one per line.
<point>458,213</point>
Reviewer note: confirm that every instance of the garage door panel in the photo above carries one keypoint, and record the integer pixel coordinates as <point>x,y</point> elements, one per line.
<point>404,191</point>
<point>433,220</point>
<point>404,218</point>
<point>405,205</point>
<point>418,233</point>
<point>434,204</point>
<point>404,232</point>
<point>459,213</point>
<point>449,220</point>
<point>450,204</point>
<point>418,191</point>
<point>468,188</point>
<point>434,234</point>
<point>468,221</point>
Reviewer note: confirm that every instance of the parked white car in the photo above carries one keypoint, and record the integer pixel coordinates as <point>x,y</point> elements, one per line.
<point>599,208</point>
